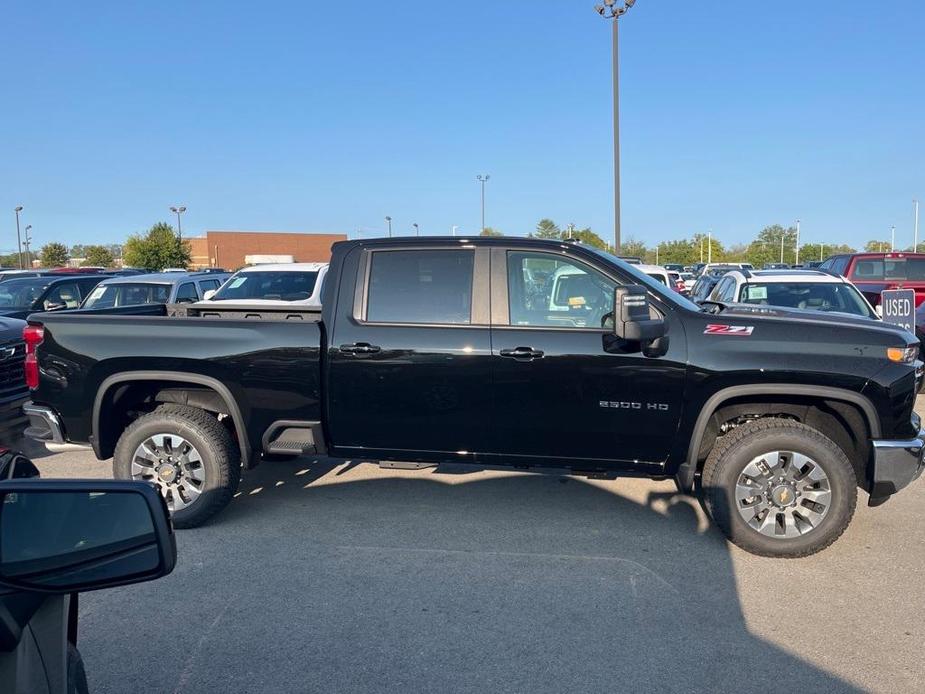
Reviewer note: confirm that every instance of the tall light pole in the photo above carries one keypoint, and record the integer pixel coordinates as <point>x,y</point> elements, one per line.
<point>18,237</point>
<point>26,242</point>
<point>821,247</point>
<point>892,238</point>
<point>483,179</point>
<point>709,246</point>
<point>915,247</point>
<point>796,257</point>
<point>455,227</point>
<point>613,10</point>
<point>178,211</point>
<point>417,229</point>
<point>389,220</point>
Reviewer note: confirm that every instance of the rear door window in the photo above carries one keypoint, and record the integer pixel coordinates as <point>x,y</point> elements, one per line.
<point>420,286</point>
<point>187,293</point>
<point>65,294</point>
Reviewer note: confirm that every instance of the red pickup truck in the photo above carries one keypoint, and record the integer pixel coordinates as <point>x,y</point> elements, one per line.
<point>871,273</point>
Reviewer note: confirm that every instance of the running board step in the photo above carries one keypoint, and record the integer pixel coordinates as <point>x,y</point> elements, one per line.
<point>293,441</point>
<point>398,465</point>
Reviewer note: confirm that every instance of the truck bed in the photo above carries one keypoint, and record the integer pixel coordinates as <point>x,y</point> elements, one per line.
<point>268,361</point>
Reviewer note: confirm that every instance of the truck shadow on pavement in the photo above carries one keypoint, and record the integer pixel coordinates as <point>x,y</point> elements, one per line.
<point>372,582</point>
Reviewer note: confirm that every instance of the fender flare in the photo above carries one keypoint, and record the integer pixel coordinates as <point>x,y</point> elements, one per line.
<point>688,469</point>
<point>182,377</point>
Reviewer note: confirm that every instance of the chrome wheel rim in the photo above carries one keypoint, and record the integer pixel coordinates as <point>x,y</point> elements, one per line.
<point>783,494</point>
<point>174,466</point>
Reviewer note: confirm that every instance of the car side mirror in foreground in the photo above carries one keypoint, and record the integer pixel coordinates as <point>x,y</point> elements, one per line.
<point>208,294</point>
<point>633,320</point>
<point>62,536</point>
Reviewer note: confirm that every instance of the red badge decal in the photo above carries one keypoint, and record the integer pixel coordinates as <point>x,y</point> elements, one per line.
<point>740,330</point>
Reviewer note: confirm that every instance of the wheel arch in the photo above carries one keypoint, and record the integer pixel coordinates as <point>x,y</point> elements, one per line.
<point>688,469</point>
<point>104,447</point>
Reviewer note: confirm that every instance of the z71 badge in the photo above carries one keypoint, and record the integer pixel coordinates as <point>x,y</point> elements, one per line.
<point>740,330</point>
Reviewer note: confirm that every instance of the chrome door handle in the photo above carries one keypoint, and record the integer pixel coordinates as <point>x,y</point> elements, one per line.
<point>360,348</point>
<point>522,353</point>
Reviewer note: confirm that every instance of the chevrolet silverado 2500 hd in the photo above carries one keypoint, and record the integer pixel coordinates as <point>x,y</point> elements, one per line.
<point>497,351</point>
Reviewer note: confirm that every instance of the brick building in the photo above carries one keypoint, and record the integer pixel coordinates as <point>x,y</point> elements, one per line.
<point>227,249</point>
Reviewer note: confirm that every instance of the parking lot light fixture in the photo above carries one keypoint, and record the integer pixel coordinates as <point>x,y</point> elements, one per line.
<point>915,233</point>
<point>389,222</point>
<point>613,10</point>
<point>892,238</point>
<point>417,229</point>
<point>26,242</point>
<point>178,211</point>
<point>483,179</point>
<point>17,210</point>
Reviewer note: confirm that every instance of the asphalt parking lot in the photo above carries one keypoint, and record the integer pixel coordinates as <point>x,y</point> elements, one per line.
<point>329,576</point>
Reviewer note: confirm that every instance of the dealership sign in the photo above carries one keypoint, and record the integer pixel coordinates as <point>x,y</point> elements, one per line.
<point>898,307</point>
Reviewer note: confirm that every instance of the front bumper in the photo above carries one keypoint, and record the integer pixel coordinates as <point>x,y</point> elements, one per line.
<point>896,464</point>
<point>44,424</point>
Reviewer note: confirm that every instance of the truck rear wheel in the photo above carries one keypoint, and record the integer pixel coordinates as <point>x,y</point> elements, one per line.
<point>779,488</point>
<point>187,454</point>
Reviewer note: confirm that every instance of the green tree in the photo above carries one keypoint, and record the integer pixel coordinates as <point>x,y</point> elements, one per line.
<point>547,229</point>
<point>10,260</point>
<point>98,256</point>
<point>705,248</point>
<point>590,238</point>
<point>633,247</point>
<point>874,246</point>
<point>489,231</point>
<point>78,250</point>
<point>157,249</point>
<point>54,254</point>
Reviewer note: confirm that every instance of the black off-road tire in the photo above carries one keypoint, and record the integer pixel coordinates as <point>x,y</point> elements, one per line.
<point>733,452</point>
<point>220,455</point>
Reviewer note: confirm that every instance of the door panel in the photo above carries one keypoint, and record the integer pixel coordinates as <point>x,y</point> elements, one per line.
<point>585,398</point>
<point>419,385</point>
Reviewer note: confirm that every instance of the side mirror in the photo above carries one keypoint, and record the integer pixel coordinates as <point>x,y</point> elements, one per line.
<point>62,536</point>
<point>208,294</point>
<point>633,321</point>
<point>14,465</point>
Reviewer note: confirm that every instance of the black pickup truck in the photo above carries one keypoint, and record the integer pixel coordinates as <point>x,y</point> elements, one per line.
<point>508,351</point>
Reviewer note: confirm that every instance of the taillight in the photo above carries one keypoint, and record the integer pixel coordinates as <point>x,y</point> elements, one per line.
<point>33,335</point>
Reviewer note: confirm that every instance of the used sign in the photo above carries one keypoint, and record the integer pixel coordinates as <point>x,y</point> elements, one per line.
<point>898,307</point>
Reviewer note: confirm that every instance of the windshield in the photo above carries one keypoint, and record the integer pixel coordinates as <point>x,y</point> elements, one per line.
<point>22,293</point>
<point>649,283</point>
<point>112,295</point>
<point>890,269</point>
<point>272,285</point>
<point>816,296</point>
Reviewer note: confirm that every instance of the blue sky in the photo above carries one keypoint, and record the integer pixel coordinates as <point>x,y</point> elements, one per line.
<point>324,116</point>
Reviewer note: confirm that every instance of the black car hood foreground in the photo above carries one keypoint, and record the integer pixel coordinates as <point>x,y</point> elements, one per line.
<point>799,314</point>
<point>10,328</point>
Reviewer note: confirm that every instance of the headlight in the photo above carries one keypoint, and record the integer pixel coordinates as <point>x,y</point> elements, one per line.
<point>902,355</point>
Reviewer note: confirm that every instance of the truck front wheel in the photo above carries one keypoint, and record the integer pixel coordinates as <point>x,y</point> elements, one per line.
<point>187,454</point>
<point>779,488</point>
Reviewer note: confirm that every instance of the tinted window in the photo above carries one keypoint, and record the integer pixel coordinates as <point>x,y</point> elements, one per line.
<point>187,293</point>
<point>22,293</point>
<point>206,285</point>
<point>272,285</point>
<point>65,294</point>
<point>657,277</point>
<point>548,290</point>
<point>420,287</point>
<point>889,269</point>
<point>111,295</point>
<point>809,295</point>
